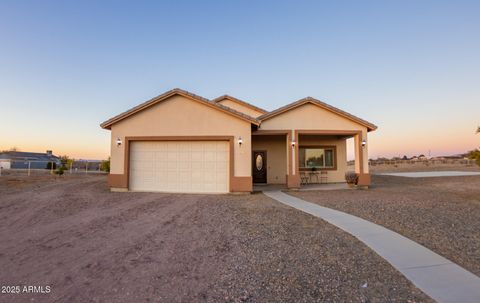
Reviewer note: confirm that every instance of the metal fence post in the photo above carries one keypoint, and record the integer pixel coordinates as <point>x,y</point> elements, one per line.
<point>29,168</point>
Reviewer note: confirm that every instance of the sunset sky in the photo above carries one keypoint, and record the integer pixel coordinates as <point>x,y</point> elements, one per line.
<point>410,67</point>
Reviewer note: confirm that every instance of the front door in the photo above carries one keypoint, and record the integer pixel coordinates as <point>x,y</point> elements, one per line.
<point>259,167</point>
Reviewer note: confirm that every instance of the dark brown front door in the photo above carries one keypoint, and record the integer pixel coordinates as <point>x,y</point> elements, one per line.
<point>259,167</point>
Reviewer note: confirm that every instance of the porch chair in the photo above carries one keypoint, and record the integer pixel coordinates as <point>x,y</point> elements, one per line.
<point>324,176</point>
<point>303,178</point>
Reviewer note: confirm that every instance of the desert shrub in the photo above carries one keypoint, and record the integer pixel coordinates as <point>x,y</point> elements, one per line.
<point>66,161</point>
<point>60,171</point>
<point>351,177</point>
<point>105,165</point>
<point>475,155</point>
<point>49,165</point>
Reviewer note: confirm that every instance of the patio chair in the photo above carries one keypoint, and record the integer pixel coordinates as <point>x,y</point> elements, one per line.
<point>324,176</point>
<point>304,178</point>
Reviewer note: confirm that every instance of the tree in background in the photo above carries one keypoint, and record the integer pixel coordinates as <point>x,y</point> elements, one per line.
<point>60,171</point>
<point>12,149</point>
<point>475,155</point>
<point>49,165</point>
<point>105,165</point>
<point>66,161</point>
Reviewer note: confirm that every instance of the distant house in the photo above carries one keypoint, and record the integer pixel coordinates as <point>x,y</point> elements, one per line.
<point>422,158</point>
<point>458,156</point>
<point>21,160</point>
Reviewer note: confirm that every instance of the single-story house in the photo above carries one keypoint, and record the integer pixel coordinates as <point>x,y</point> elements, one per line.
<point>24,160</point>
<point>181,142</point>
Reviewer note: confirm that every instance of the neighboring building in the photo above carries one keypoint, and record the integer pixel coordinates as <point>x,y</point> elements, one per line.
<point>21,160</point>
<point>5,163</point>
<point>422,158</point>
<point>181,142</point>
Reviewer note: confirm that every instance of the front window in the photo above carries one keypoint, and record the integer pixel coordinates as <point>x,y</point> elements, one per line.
<point>316,157</point>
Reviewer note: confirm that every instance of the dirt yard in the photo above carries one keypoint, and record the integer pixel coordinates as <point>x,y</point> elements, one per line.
<point>442,214</point>
<point>90,245</point>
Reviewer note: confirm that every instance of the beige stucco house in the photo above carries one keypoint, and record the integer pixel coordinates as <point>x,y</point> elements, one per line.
<point>181,142</point>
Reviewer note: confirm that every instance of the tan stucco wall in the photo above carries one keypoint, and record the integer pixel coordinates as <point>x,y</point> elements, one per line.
<point>312,117</point>
<point>180,116</point>
<point>309,116</point>
<point>276,156</point>
<point>333,176</point>
<point>241,108</point>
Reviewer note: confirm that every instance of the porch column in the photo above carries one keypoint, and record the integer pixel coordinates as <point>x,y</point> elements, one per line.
<point>361,159</point>
<point>293,176</point>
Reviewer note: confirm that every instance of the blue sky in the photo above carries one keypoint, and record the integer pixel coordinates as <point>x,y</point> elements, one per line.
<point>411,67</point>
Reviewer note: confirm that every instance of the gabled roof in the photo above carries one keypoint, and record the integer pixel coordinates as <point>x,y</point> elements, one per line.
<point>321,104</point>
<point>241,102</point>
<point>176,91</point>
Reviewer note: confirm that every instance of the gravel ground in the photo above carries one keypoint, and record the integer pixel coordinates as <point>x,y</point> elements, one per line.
<point>92,245</point>
<point>442,214</point>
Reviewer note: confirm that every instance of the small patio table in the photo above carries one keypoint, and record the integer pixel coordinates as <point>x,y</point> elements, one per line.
<point>313,174</point>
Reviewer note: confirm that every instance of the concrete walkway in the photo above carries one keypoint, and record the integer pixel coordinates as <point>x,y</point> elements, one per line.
<point>436,276</point>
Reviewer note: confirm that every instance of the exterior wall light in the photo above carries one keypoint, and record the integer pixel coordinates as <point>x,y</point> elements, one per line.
<point>240,141</point>
<point>118,141</point>
<point>293,144</point>
<point>364,142</point>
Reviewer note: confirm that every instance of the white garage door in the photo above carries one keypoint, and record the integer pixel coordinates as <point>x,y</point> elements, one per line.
<point>179,166</point>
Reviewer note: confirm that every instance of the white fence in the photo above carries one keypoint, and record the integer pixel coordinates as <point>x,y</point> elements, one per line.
<point>33,167</point>
<point>412,165</point>
<point>459,162</point>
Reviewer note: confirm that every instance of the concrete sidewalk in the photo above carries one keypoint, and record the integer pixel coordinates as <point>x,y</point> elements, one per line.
<point>436,276</point>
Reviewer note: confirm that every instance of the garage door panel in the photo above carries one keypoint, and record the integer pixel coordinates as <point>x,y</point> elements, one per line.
<point>179,166</point>
<point>197,165</point>
<point>221,166</point>
<point>172,165</point>
<point>221,146</point>
<point>197,155</point>
<point>184,165</point>
<point>210,155</point>
<point>161,156</point>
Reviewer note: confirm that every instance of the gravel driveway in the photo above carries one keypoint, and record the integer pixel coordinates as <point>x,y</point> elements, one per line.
<point>92,245</point>
<point>442,214</point>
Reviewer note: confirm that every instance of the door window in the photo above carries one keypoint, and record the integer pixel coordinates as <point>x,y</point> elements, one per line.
<point>259,162</point>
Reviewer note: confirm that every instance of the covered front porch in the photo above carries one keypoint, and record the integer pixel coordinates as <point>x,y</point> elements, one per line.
<point>306,158</point>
